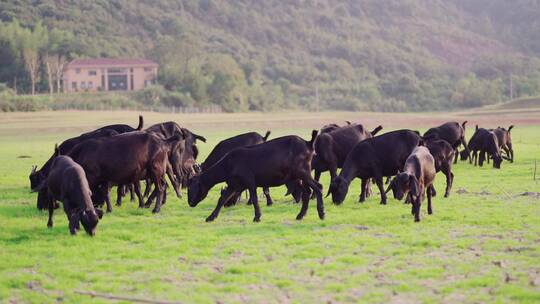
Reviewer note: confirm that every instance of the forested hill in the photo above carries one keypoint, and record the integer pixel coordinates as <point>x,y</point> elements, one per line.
<point>322,54</point>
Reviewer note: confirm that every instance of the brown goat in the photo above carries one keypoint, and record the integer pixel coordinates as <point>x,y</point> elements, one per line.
<point>416,179</point>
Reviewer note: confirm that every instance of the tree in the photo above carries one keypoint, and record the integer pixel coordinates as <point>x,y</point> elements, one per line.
<point>55,57</point>
<point>32,43</point>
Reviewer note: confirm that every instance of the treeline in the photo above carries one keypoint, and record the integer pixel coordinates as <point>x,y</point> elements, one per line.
<point>396,55</point>
<point>32,59</point>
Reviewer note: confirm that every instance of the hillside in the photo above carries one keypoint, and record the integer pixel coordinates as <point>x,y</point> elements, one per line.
<point>354,55</point>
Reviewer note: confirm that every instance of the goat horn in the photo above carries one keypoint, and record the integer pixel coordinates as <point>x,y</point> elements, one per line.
<point>34,169</point>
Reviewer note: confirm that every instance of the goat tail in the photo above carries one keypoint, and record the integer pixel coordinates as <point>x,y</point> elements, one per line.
<point>56,150</point>
<point>265,138</point>
<point>376,130</point>
<point>313,136</point>
<point>463,124</point>
<point>141,123</point>
<point>510,128</point>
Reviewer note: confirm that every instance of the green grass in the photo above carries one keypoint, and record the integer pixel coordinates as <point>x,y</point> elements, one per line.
<point>474,248</point>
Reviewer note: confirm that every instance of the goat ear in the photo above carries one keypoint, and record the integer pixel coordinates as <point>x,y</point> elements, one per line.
<point>99,213</point>
<point>413,185</point>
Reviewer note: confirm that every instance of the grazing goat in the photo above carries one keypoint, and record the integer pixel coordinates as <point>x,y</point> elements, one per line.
<point>416,180</point>
<point>376,157</point>
<point>38,176</point>
<point>227,145</point>
<point>452,132</point>
<point>126,159</point>
<point>66,182</point>
<point>332,148</point>
<point>485,142</point>
<point>443,154</point>
<point>273,163</point>
<point>505,141</point>
<point>187,166</point>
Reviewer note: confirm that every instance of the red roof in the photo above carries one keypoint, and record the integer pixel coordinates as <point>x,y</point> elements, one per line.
<point>110,62</point>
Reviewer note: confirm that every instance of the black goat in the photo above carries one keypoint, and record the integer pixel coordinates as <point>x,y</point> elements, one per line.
<point>38,176</point>
<point>443,155</point>
<point>376,157</point>
<point>452,132</point>
<point>484,145</point>
<point>227,145</point>
<point>126,159</point>
<point>273,163</point>
<point>66,182</point>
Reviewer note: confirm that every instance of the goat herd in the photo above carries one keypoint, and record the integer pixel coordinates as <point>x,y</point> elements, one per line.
<point>83,169</point>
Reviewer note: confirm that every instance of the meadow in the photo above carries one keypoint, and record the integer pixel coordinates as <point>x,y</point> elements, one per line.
<point>480,245</point>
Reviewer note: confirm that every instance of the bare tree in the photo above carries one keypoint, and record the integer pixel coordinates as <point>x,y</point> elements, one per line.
<point>31,63</point>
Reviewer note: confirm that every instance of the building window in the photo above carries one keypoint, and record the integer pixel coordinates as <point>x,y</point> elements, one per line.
<point>131,70</point>
<point>92,73</point>
<point>78,71</point>
<point>132,82</point>
<point>148,69</point>
<point>74,85</point>
<point>116,71</point>
<point>83,85</point>
<point>90,85</point>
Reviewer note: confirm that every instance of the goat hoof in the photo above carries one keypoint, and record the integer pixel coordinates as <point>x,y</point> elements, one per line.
<point>383,203</point>
<point>118,204</point>
<point>257,219</point>
<point>209,219</point>
<point>109,210</point>
<point>155,210</point>
<point>321,216</point>
<point>446,194</point>
<point>430,212</point>
<point>299,217</point>
<point>49,225</point>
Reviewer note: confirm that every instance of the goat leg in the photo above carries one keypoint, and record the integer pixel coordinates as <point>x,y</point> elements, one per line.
<point>158,184</point>
<point>429,195</point>
<point>51,212</point>
<point>255,201</point>
<point>108,198</point>
<point>311,183</point>
<point>305,202</point>
<point>120,192</point>
<point>266,192</point>
<point>363,190</point>
<point>416,206</point>
<point>225,196</point>
<point>449,180</point>
<point>137,188</point>
<point>379,182</point>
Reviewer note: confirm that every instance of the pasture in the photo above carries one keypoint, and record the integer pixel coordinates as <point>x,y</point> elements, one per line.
<point>482,244</point>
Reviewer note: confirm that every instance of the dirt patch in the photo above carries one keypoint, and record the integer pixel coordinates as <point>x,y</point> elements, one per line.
<point>535,195</point>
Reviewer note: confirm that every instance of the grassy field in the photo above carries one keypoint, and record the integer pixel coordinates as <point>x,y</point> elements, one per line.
<point>480,245</point>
